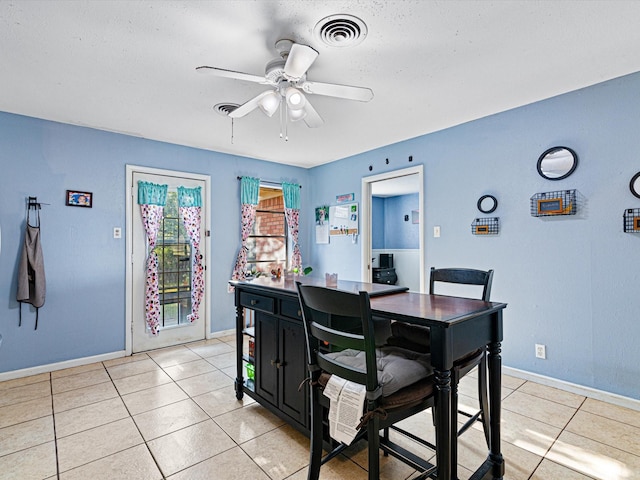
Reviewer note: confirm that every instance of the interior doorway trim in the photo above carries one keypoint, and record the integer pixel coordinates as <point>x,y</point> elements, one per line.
<point>366,274</point>
<point>206,242</point>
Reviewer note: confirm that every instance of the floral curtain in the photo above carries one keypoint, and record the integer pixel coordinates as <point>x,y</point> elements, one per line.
<point>291,193</point>
<point>152,199</point>
<point>190,205</point>
<point>250,190</point>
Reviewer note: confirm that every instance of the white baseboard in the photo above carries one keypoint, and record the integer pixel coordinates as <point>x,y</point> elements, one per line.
<point>76,362</point>
<point>602,395</point>
<point>52,367</point>
<point>222,333</point>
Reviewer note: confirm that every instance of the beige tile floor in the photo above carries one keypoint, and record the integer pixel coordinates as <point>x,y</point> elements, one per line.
<point>172,414</point>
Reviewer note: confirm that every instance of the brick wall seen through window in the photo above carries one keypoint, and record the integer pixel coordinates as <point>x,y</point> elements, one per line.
<point>268,239</point>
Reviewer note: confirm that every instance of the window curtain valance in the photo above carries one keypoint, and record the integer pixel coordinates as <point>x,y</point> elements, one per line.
<point>189,197</point>
<point>152,194</point>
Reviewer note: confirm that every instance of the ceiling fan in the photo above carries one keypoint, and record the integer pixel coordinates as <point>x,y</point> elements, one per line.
<point>287,77</point>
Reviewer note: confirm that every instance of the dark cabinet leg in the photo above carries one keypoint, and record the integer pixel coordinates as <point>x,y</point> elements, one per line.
<point>443,423</point>
<point>495,387</point>
<point>239,383</point>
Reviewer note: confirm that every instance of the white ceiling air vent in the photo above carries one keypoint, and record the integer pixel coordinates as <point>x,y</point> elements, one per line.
<point>225,108</point>
<point>340,30</point>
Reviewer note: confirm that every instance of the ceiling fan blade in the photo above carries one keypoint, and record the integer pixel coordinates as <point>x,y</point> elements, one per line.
<point>249,106</point>
<point>221,72</point>
<point>312,118</point>
<point>300,58</point>
<point>361,94</point>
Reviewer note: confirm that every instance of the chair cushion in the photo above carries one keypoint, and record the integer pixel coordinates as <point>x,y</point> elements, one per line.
<point>397,367</point>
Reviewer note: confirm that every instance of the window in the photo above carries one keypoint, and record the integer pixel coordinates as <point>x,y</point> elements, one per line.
<point>174,266</point>
<point>268,245</point>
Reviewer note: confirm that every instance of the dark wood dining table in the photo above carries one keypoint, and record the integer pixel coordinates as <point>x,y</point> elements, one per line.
<point>458,326</point>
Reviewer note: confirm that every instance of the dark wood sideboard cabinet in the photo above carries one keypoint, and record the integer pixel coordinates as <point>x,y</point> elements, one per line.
<point>278,355</point>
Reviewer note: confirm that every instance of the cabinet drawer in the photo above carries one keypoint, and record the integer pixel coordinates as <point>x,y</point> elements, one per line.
<point>256,302</point>
<point>291,309</point>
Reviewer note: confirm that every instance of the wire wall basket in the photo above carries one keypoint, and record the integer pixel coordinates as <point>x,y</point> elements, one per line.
<point>547,204</point>
<point>632,220</point>
<point>486,226</point>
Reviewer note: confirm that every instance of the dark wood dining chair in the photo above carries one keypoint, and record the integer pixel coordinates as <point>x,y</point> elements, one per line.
<point>416,338</point>
<point>397,387</point>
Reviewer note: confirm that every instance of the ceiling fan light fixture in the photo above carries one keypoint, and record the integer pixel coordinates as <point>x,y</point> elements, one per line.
<point>295,98</point>
<point>295,115</point>
<point>269,103</point>
<point>299,59</point>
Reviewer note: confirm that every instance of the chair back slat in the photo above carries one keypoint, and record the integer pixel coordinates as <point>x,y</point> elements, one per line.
<point>336,338</point>
<point>464,276</point>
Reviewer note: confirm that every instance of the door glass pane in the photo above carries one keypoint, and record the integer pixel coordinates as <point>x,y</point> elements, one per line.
<point>174,265</point>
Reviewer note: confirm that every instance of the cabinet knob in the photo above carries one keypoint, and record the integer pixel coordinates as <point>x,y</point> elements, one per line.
<point>276,363</point>
<point>254,302</point>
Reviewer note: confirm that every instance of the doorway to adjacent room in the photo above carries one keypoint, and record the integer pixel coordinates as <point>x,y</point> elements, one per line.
<point>399,182</point>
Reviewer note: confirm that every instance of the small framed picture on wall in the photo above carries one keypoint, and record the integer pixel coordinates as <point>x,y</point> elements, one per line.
<point>79,199</point>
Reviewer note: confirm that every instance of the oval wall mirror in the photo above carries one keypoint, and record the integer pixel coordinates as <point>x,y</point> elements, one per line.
<point>487,204</point>
<point>634,185</point>
<point>557,163</point>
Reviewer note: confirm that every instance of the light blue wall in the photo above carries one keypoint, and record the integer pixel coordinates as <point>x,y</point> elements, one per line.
<point>85,267</point>
<point>571,283</point>
<point>388,227</point>
<point>398,233</point>
<point>377,223</point>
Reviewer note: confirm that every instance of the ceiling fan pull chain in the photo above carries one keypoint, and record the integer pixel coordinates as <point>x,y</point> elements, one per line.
<point>232,131</point>
<point>281,122</point>
<point>286,123</point>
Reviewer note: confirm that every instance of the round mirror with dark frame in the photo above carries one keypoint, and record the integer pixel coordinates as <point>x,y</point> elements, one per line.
<point>557,163</point>
<point>634,185</point>
<point>487,204</point>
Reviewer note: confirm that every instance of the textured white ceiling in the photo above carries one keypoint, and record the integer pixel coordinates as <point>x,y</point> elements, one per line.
<point>129,66</point>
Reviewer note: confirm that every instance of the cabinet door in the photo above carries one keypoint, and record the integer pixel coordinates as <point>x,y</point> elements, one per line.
<point>266,346</point>
<point>293,371</point>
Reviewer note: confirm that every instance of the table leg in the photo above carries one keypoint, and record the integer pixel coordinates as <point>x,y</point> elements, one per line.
<point>239,344</point>
<point>495,390</point>
<point>443,424</point>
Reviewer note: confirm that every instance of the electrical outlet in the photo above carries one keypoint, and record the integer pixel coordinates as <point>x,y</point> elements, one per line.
<point>541,351</point>
<point>117,232</point>
<point>436,231</point>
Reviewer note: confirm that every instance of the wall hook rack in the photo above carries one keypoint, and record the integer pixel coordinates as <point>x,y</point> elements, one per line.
<point>33,203</point>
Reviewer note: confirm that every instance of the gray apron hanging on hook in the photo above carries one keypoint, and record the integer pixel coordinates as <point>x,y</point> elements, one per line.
<point>31,278</point>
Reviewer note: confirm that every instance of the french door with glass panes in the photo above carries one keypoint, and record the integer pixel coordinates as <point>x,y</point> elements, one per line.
<point>174,252</point>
